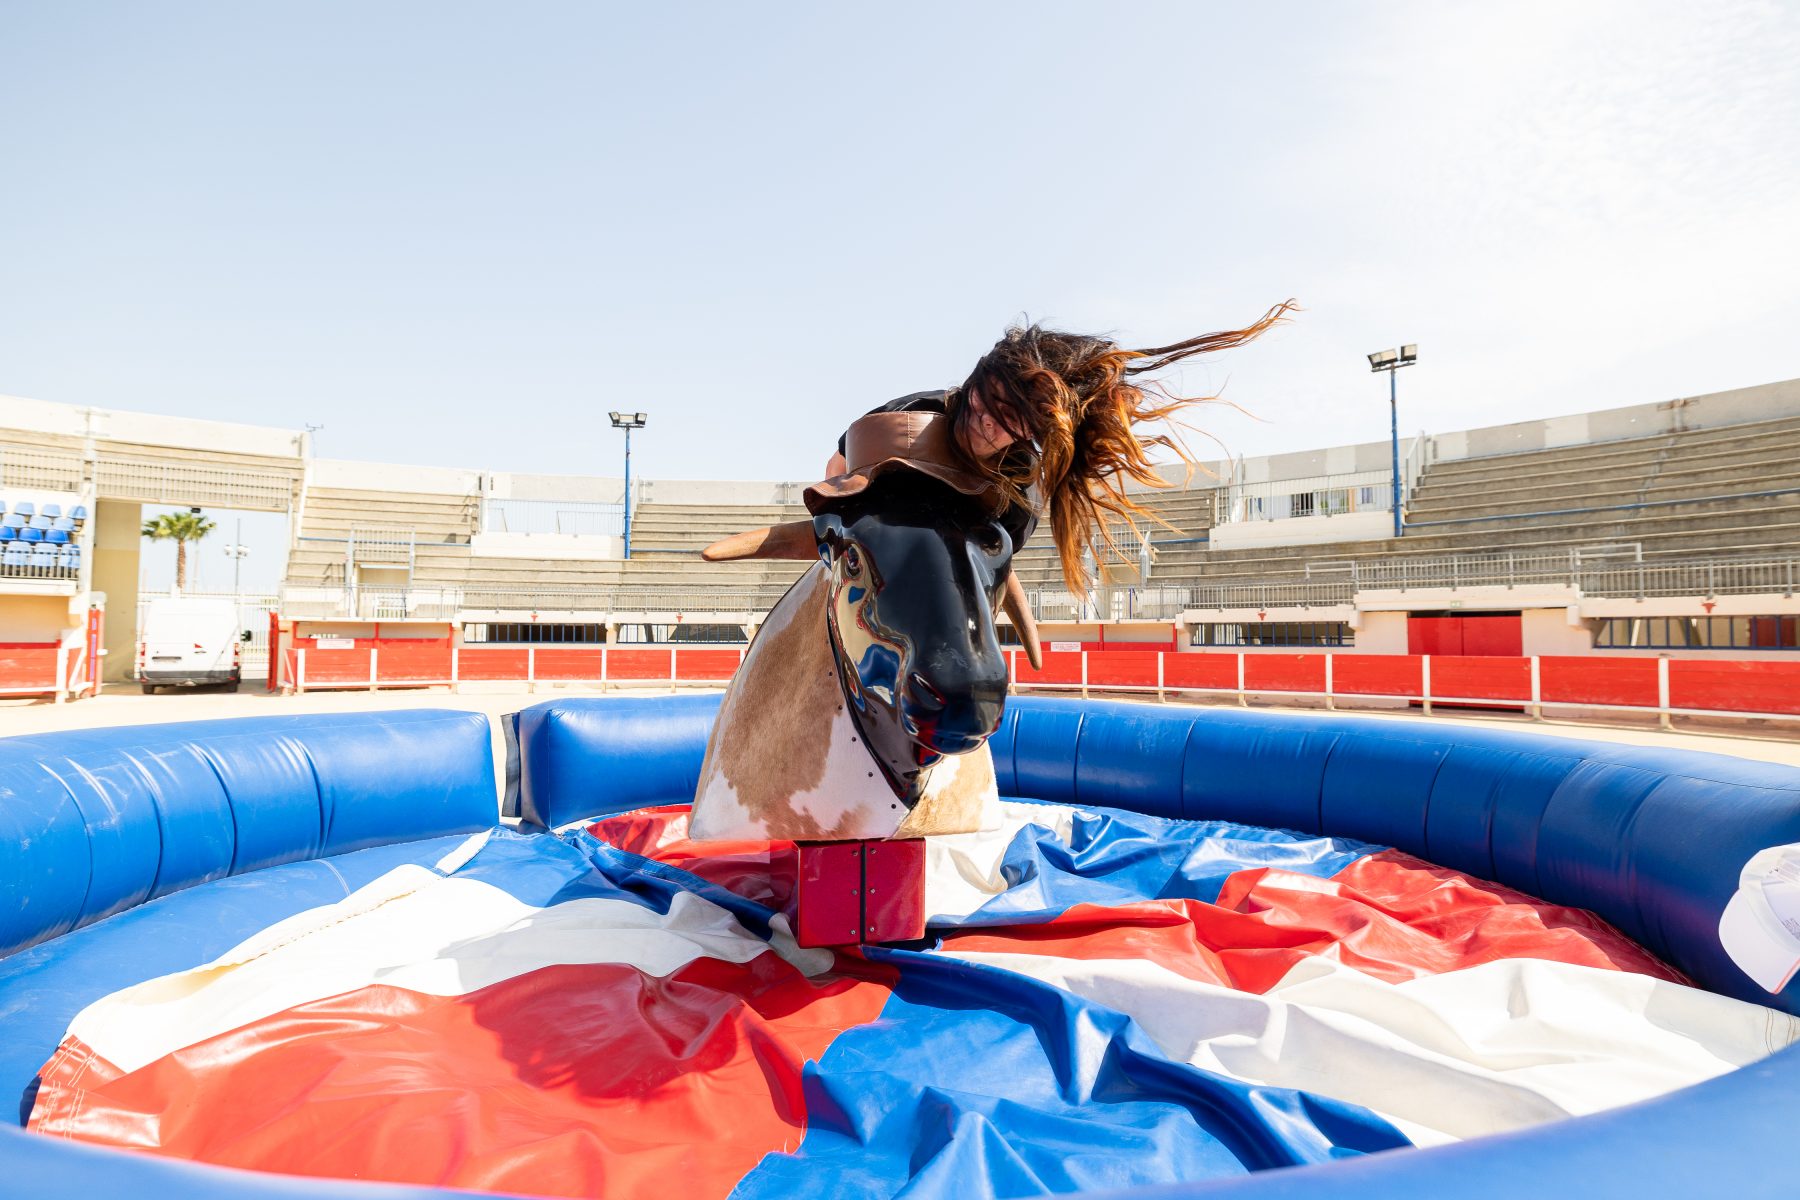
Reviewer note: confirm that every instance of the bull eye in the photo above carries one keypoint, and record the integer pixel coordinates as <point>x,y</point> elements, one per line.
<point>852,562</point>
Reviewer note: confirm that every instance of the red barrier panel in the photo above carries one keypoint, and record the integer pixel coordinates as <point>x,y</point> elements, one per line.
<point>637,664</point>
<point>706,665</point>
<point>1218,671</point>
<point>567,663</point>
<point>500,663</point>
<point>1377,675</point>
<point>1595,679</point>
<point>27,666</point>
<point>1063,667</point>
<point>1125,669</point>
<point>407,664</point>
<point>1284,672</point>
<point>325,667</point>
<point>1481,678</point>
<point>1768,687</point>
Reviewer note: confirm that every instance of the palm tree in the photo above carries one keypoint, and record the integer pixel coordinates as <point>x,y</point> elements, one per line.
<point>180,528</point>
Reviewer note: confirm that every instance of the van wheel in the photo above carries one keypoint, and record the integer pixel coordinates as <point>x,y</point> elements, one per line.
<point>232,686</point>
<point>149,689</point>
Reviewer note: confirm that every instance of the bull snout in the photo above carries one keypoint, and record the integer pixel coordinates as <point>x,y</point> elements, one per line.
<point>953,716</point>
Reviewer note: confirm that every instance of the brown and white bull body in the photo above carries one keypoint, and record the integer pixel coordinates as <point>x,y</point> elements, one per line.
<point>786,759</point>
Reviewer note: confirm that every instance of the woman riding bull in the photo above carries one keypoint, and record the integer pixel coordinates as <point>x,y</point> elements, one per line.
<point>1050,419</point>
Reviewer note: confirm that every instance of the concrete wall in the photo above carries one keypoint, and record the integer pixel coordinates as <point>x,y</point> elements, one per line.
<point>1381,633</point>
<point>116,554</point>
<point>69,420</point>
<point>1764,402</point>
<point>35,618</point>
<point>719,492</point>
<point>1554,631</point>
<point>1303,531</point>
<point>592,489</point>
<point>393,477</point>
<point>559,546</point>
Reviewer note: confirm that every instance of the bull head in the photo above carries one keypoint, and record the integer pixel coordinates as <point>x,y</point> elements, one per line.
<point>917,570</point>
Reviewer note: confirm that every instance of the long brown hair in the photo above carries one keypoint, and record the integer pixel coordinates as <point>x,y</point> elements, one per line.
<point>1072,397</point>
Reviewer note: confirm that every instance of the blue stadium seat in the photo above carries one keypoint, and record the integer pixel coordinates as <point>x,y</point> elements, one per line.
<point>8,533</point>
<point>31,534</point>
<point>52,511</point>
<point>15,555</point>
<point>66,524</point>
<point>13,521</point>
<point>41,522</point>
<point>70,558</point>
<point>25,508</point>
<point>56,537</point>
<point>79,512</point>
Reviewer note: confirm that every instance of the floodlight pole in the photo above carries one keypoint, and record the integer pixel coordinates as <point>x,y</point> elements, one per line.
<point>628,422</point>
<point>1394,438</point>
<point>1391,361</point>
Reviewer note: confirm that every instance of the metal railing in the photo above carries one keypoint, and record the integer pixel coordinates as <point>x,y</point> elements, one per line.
<point>152,482</point>
<point>1611,571</point>
<point>446,603</point>
<point>1603,571</point>
<point>1314,496</point>
<point>36,469</point>
<point>586,518</point>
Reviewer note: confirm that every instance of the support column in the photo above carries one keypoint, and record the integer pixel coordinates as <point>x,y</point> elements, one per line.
<point>118,546</point>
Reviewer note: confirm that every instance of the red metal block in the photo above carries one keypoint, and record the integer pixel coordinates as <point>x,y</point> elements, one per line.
<point>846,893</point>
<point>826,907</point>
<point>894,890</point>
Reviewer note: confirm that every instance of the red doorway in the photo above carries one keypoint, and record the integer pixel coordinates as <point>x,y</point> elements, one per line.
<point>1468,635</point>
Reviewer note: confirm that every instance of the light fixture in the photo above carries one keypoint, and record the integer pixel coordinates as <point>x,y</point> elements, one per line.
<point>1381,358</point>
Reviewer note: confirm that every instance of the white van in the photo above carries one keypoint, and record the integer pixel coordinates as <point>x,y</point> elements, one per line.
<point>190,643</point>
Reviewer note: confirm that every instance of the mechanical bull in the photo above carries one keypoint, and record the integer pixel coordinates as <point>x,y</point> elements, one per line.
<point>863,708</point>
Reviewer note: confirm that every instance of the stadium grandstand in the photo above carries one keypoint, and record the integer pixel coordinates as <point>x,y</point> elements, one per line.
<point>1667,529</point>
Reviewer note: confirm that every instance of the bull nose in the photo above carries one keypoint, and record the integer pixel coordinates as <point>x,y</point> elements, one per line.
<point>952,721</point>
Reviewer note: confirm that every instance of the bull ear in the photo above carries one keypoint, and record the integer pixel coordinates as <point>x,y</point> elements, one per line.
<point>1018,610</point>
<point>793,539</point>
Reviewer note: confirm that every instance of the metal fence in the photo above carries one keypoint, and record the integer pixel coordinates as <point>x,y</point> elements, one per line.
<point>1612,571</point>
<point>1316,496</point>
<point>36,469</point>
<point>1603,571</point>
<point>587,518</point>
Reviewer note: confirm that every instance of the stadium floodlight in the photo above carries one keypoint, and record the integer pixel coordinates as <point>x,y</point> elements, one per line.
<point>1391,361</point>
<point>628,422</point>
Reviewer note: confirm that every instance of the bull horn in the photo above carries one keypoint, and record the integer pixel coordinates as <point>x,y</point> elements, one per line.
<point>1018,611</point>
<point>792,539</point>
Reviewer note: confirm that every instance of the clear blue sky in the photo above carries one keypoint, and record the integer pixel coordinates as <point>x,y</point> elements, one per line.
<point>459,233</point>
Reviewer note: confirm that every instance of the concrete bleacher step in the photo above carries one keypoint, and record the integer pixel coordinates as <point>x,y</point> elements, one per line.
<point>1730,470</point>
<point>1726,440</point>
<point>1787,478</point>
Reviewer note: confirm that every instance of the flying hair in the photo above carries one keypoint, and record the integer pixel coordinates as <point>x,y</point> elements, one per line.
<point>1076,400</point>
